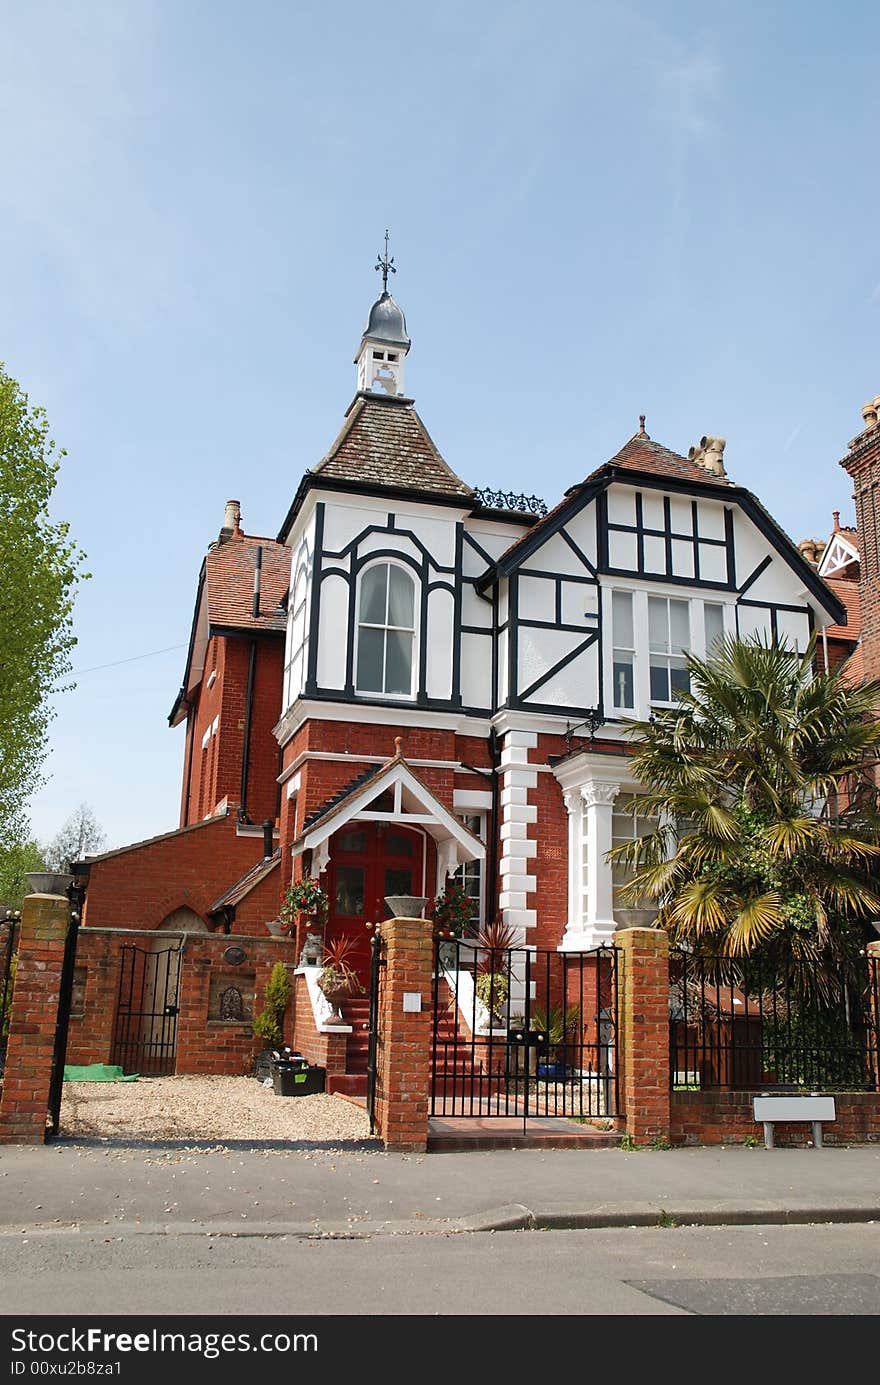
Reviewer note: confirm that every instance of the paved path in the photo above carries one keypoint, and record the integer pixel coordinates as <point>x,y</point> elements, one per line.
<point>361,1192</point>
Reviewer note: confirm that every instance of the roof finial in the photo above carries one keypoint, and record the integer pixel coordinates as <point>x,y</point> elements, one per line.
<point>398,746</point>
<point>384,265</point>
<point>641,423</point>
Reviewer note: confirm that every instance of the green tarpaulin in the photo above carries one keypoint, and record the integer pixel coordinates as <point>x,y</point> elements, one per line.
<point>96,1072</point>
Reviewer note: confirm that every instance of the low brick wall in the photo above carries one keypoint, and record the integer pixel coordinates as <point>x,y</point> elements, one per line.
<point>206,1042</point>
<point>326,1050</point>
<point>717,1117</point>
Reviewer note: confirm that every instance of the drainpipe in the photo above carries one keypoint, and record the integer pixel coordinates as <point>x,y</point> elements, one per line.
<point>492,856</point>
<point>191,731</point>
<point>248,717</point>
<point>278,783</point>
<point>825,647</point>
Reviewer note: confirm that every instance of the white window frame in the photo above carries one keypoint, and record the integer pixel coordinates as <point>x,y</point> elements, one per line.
<point>476,823</point>
<point>665,658</point>
<point>414,631</point>
<point>642,657</point>
<point>302,648</point>
<point>624,711</point>
<point>617,839</point>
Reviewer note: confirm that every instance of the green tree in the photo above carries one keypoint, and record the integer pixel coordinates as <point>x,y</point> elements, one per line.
<point>15,861</point>
<point>41,568</point>
<point>763,782</point>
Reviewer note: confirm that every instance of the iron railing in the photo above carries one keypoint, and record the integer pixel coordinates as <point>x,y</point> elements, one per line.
<point>744,1024</point>
<point>523,1033</point>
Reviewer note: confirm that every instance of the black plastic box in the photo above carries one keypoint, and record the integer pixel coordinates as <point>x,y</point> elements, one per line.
<point>298,1081</point>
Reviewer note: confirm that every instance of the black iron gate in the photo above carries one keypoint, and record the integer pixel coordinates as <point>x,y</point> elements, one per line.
<point>10,925</point>
<point>377,977</point>
<point>145,1030</point>
<point>524,1033</point>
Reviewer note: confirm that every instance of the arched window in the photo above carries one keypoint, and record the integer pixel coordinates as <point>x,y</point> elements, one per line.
<point>386,631</point>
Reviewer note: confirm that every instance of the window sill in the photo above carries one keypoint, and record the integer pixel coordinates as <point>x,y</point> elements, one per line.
<point>385,697</point>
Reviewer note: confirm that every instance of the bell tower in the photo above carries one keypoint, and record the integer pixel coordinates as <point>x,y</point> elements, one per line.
<point>385,342</point>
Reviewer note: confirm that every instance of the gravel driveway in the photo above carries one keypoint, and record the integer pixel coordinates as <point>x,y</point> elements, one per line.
<point>205,1108</point>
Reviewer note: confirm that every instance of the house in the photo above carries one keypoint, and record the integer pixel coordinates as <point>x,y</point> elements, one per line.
<point>419,678</point>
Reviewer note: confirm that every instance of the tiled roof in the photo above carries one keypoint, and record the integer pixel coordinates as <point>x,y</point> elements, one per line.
<point>384,443</point>
<point>229,582</point>
<point>848,593</point>
<point>236,893</point>
<point>641,453</point>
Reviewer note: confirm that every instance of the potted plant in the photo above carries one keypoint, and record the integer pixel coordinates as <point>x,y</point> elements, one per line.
<point>494,942</point>
<point>304,899</point>
<point>267,1025</point>
<point>338,979</point>
<point>557,1024</point>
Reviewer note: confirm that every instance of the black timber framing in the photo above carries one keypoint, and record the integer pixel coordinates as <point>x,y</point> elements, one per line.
<point>728,495</point>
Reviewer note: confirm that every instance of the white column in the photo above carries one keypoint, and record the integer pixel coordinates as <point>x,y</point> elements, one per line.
<point>517,849</point>
<point>597,917</point>
<point>571,940</point>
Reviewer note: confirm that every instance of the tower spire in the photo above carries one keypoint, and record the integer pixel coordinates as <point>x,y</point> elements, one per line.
<point>384,266</point>
<point>385,341</point>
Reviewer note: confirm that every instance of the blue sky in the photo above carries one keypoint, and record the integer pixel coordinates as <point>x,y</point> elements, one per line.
<point>597,210</point>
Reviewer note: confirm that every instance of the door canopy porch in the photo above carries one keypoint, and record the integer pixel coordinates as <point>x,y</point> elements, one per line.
<point>392,794</point>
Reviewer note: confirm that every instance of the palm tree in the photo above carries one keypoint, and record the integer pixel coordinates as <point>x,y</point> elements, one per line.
<point>762,780</point>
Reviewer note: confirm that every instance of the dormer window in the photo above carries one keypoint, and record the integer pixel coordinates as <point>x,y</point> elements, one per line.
<point>386,631</point>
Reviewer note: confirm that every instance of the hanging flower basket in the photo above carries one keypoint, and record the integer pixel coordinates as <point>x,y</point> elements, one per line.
<point>303,900</point>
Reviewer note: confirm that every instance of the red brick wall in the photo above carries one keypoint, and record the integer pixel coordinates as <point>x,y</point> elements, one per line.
<point>550,866</point>
<point>863,465</point>
<point>326,1050</point>
<point>208,705</point>
<point>216,769</point>
<point>716,1118</point>
<point>203,1045</point>
<point>139,886</point>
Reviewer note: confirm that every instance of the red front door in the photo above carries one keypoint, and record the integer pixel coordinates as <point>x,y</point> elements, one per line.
<point>369,860</point>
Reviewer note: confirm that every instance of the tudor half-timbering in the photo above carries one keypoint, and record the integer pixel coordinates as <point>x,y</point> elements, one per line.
<point>458,665</point>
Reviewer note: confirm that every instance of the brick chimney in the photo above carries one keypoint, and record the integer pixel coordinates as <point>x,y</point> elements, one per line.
<point>862,462</point>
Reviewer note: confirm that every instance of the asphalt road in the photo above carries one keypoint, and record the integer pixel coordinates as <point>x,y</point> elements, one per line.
<point>751,1270</point>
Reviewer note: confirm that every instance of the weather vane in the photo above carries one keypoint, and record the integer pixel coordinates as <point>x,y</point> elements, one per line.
<point>385,265</point>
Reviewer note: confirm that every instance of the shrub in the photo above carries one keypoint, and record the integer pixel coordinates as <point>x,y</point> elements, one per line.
<point>276,993</point>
